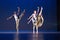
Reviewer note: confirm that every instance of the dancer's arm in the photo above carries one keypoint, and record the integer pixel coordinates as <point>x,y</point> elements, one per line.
<point>18,10</point>
<point>29,21</point>
<point>37,10</point>
<point>30,17</point>
<point>9,17</point>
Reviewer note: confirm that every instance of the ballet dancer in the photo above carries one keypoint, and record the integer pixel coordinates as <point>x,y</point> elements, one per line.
<point>15,15</point>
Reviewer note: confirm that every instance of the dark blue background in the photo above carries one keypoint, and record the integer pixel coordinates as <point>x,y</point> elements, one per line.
<point>49,13</point>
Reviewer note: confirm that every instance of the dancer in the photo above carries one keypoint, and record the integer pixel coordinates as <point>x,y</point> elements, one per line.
<point>40,20</point>
<point>33,19</point>
<point>16,17</point>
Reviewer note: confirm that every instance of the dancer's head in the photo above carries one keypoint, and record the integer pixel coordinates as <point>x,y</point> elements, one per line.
<point>34,11</point>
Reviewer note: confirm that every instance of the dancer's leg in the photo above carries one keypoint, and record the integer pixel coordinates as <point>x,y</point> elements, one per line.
<point>17,24</point>
<point>33,29</point>
<point>36,29</point>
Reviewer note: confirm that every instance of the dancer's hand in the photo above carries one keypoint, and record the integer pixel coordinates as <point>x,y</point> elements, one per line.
<point>9,17</point>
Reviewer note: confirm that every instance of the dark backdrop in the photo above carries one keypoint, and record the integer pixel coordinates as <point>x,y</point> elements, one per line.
<point>49,13</point>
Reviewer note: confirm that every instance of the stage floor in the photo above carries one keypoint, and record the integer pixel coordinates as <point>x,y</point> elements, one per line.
<point>30,36</point>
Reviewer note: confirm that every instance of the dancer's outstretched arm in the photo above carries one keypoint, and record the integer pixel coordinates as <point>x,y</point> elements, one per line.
<point>30,17</point>
<point>41,11</point>
<point>29,21</point>
<point>9,17</point>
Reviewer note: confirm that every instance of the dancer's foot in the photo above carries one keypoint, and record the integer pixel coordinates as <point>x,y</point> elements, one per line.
<point>17,30</point>
<point>37,32</point>
<point>33,32</point>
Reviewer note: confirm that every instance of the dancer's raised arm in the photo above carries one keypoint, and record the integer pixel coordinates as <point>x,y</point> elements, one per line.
<point>37,10</point>
<point>18,10</point>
